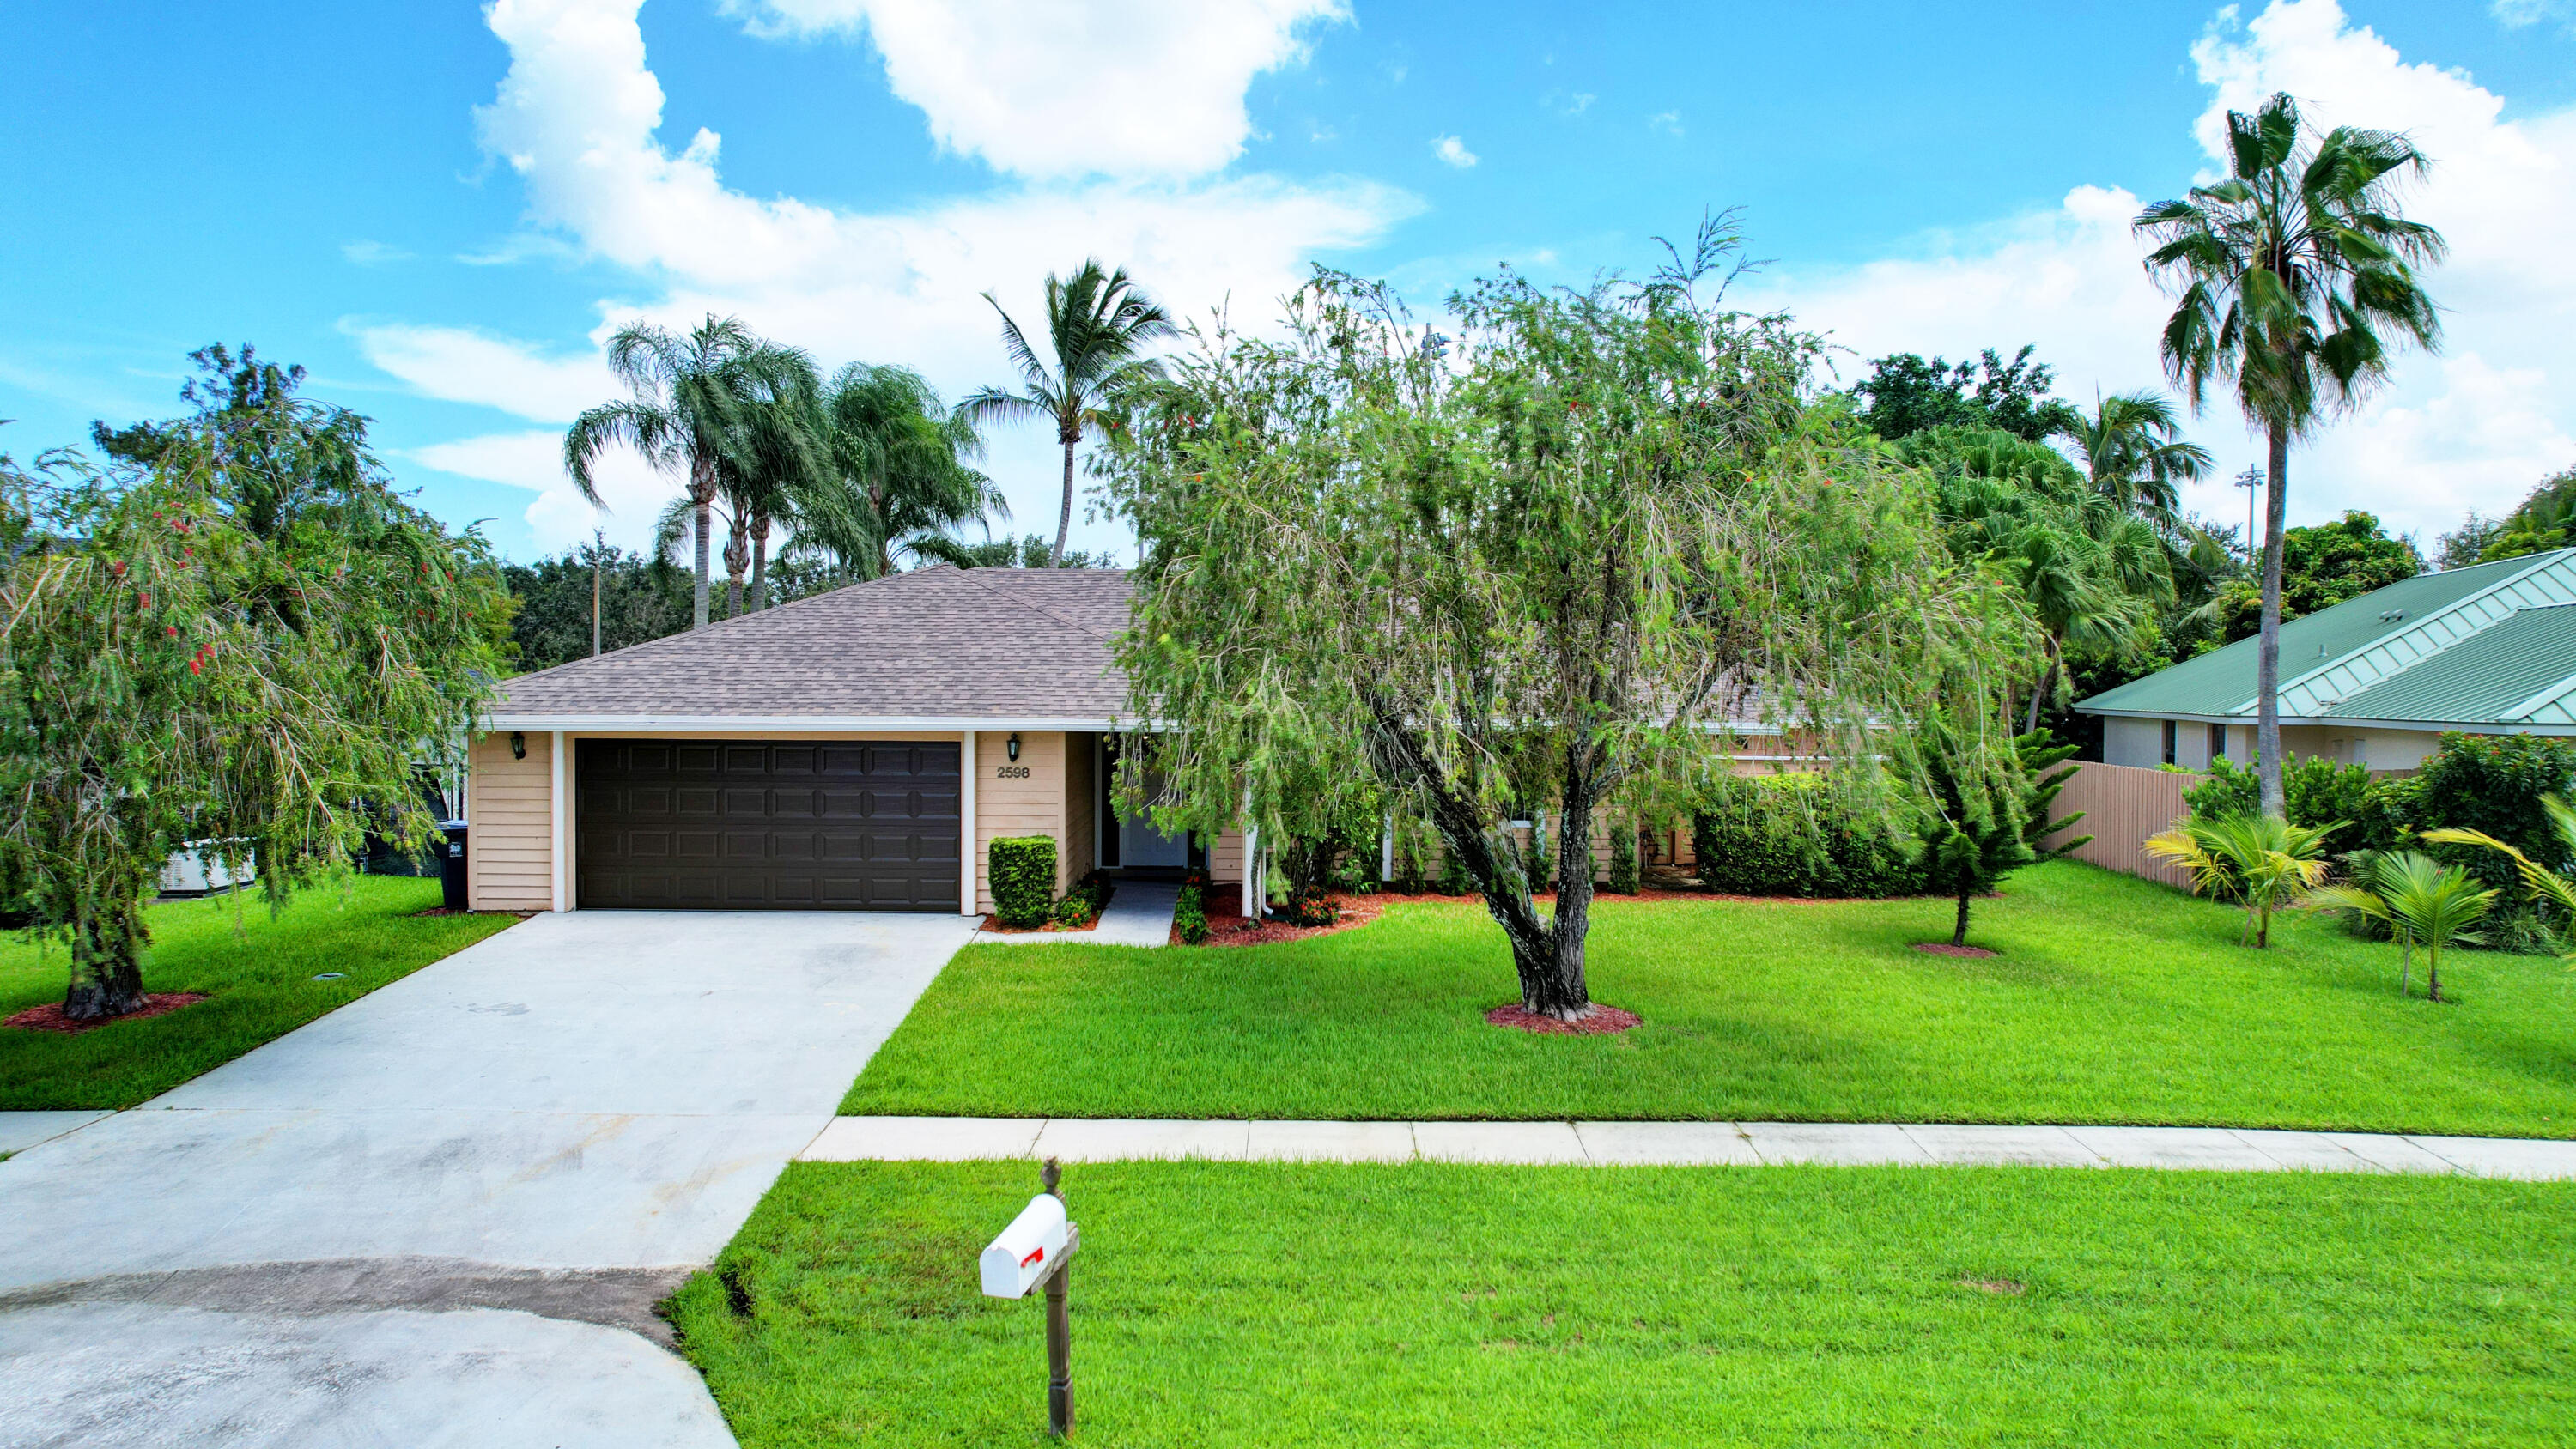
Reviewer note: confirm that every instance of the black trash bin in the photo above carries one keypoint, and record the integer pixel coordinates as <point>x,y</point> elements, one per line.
<point>451,865</point>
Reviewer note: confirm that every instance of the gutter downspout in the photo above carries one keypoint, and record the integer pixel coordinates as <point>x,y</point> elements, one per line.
<point>966,835</point>
<point>560,745</point>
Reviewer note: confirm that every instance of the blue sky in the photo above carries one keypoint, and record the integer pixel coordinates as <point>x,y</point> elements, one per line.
<point>442,210</point>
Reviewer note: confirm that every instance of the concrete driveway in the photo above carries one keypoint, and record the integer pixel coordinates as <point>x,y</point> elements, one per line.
<point>441,1214</point>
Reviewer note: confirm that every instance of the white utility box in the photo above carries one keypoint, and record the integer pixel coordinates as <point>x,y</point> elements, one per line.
<point>1027,1251</point>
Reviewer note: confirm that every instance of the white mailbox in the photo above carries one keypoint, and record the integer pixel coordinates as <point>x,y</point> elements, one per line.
<point>1027,1251</point>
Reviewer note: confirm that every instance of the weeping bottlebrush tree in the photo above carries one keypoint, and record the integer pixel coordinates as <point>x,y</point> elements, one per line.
<point>1566,547</point>
<point>235,632</point>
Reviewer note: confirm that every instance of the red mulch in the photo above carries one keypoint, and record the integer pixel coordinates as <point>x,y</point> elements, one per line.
<point>1603,1021</point>
<point>1226,927</point>
<point>49,1017</point>
<point>1944,948</point>
<point>994,925</point>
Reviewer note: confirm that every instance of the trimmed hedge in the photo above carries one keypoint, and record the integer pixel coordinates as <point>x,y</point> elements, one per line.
<point>2492,783</point>
<point>2319,792</point>
<point>1798,835</point>
<point>1023,875</point>
<point>1623,855</point>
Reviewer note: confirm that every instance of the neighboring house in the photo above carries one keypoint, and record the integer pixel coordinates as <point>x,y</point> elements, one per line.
<point>2376,680</point>
<point>827,754</point>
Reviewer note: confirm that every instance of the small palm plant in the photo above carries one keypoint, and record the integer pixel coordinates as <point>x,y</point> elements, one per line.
<point>2261,860</point>
<point>2378,879</point>
<point>2543,883</point>
<point>2438,912</point>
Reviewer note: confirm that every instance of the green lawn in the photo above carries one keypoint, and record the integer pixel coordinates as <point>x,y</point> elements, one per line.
<point>2114,1000</point>
<point>259,980</point>
<point>1252,1304</point>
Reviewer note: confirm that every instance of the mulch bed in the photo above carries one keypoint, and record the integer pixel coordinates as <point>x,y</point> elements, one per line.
<point>994,925</point>
<point>1226,927</point>
<point>1944,948</point>
<point>1604,1021</point>
<point>49,1017</point>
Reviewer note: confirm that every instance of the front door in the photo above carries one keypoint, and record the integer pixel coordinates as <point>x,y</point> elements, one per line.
<point>1140,844</point>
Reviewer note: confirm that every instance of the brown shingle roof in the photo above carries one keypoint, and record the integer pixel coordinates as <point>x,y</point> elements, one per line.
<point>937,643</point>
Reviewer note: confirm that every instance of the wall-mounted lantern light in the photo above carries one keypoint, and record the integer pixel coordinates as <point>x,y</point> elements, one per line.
<point>1011,746</point>
<point>518,745</point>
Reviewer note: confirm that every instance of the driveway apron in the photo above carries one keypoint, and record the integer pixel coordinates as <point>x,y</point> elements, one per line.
<point>441,1214</point>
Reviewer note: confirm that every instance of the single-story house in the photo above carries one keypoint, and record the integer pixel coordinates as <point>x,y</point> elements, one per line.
<point>857,750</point>
<point>2374,681</point>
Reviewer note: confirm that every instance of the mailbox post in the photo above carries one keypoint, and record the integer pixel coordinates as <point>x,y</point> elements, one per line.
<point>1036,1250</point>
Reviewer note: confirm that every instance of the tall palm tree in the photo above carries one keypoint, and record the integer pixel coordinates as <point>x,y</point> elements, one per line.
<point>902,461</point>
<point>691,414</point>
<point>2134,455</point>
<point>2295,273</point>
<point>1097,326</point>
<point>781,459</point>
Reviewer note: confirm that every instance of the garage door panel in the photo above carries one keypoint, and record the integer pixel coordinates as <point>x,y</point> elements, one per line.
<point>752,825</point>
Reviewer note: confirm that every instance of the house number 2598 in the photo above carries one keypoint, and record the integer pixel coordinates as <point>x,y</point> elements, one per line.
<point>1010,772</point>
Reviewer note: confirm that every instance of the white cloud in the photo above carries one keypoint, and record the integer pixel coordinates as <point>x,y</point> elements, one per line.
<point>2514,14</point>
<point>1668,122</point>
<point>373,253</point>
<point>1052,90</point>
<point>560,515</point>
<point>577,117</point>
<point>461,365</point>
<point>1453,151</point>
<point>2474,427</point>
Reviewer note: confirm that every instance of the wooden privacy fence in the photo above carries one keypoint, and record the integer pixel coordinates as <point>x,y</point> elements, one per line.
<point>2122,806</point>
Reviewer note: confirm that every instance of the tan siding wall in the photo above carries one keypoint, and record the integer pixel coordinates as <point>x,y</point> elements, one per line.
<point>1225,858</point>
<point>2122,806</point>
<point>509,817</point>
<point>1013,806</point>
<point>1079,851</point>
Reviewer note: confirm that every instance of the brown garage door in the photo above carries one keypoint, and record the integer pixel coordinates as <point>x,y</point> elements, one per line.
<point>839,825</point>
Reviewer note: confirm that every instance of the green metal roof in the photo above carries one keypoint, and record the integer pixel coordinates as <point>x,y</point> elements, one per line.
<point>2503,674</point>
<point>2221,682</point>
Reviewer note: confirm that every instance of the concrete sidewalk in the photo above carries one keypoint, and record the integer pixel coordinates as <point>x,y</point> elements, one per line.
<point>1139,914</point>
<point>1749,1144</point>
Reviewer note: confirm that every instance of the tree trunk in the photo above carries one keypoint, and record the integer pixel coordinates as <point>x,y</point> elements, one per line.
<point>1064,514</point>
<point>703,496</point>
<point>2433,973</point>
<point>1959,932</point>
<point>760,563</point>
<point>2406,965</point>
<point>737,556</point>
<point>1566,994</point>
<point>1546,955</point>
<point>2267,669</point>
<point>2047,683</point>
<point>107,960</point>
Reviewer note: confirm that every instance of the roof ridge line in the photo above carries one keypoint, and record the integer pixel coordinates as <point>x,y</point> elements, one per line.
<point>2538,563</point>
<point>969,576</point>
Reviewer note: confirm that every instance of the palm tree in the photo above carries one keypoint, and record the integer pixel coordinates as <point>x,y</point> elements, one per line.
<point>2290,270</point>
<point>2377,876</point>
<point>2088,566</point>
<point>692,413</point>
<point>2543,883</point>
<point>1097,326</point>
<point>2261,860</point>
<point>901,461</point>
<point>781,460</point>
<point>2134,455</point>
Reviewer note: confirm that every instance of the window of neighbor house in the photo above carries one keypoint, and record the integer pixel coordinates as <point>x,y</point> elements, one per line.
<point>2169,742</point>
<point>2218,742</point>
